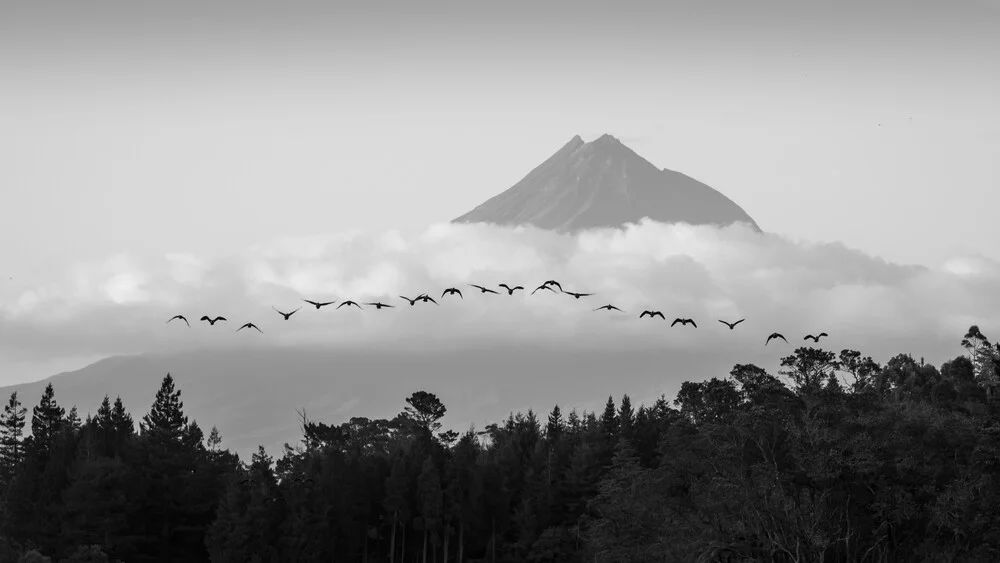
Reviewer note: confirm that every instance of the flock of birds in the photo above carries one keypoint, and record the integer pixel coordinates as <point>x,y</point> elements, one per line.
<point>550,285</point>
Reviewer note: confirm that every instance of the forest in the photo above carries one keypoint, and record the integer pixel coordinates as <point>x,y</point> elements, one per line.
<point>835,458</point>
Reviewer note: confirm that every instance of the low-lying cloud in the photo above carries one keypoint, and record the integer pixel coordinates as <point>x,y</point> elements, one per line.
<point>705,273</point>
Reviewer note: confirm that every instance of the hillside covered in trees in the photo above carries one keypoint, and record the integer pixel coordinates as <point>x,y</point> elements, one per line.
<point>835,458</point>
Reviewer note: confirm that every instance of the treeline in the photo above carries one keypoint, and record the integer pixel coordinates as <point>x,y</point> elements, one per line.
<point>836,459</point>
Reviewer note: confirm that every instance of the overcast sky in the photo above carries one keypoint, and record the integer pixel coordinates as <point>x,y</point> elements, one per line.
<point>136,129</point>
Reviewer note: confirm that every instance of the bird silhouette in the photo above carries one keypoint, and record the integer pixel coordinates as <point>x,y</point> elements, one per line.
<point>412,301</point>
<point>318,305</point>
<point>286,315</point>
<point>555,283</point>
<point>609,307</point>
<point>378,305</point>
<point>213,321</point>
<point>510,290</point>
<point>815,338</point>
<point>425,298</point>
<point>731,325</point>
<point>578,295</point>
<point>250,325</point>
<point>349,303</point>
<point>773,336</point>
<point>684,322</point>
<point>652,314</point>
<point>452,291</point>
<point>543,286</point>
<point>181,317</point>
<point>483,289</point>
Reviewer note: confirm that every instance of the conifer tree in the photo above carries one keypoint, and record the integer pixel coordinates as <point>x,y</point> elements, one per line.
<point>12,423</point>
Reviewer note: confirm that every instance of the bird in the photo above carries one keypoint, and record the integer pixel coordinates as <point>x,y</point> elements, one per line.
<point>483,289</point>
<point>731,325</point>
<point>412,301</point>
<point>511,290</point>
<point>684,322</point>
<point>578,295</point>
<point>543,286</point>
<point>773,336</point>
<point>452,291</point>
<point>181,317</point>
<point>213,321</point>
<point>318,305</point>
<point>555,283</point>
<point>815,338</point>
<point>609,307</point>
<point>378,305</point>
<point>250,325</point>
<point>286,315</point>
<point>425,298</point>
<point>652,314</point>
<point>348,303</point>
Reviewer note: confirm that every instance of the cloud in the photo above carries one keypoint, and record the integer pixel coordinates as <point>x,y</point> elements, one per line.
<point>706,273</point>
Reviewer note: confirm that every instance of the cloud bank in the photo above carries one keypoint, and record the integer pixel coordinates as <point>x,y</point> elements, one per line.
<point>705,273</point>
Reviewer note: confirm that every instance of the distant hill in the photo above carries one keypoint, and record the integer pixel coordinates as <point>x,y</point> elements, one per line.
<point>252,395</point>
<point>603,183</point>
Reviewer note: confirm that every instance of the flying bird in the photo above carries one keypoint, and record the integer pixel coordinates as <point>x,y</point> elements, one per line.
<point>286,315</point>
<point>250,325</point>
<point>555,283</point>
<point>609,307</point>
<point>543,286</point>
<point>652,314</point>
<point>452,291</point>
<point>348,303</point>
<point>181,317</point>
<point>684,322</point>
<point>578,295</point>
<point>213,321</point>
<point>412,301</point>
<point>731,325</point>
<point>815,338</point>
<point>318,305</point>
<point>510,290</point>
<point>425,298</point>
<point>483,289</point>
<point>378,305</point>
<point>773,336</point>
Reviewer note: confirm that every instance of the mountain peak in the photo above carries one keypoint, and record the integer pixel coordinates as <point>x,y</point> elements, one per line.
<point>604,184</point>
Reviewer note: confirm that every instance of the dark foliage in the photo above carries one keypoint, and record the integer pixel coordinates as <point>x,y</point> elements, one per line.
<point>834,459</point>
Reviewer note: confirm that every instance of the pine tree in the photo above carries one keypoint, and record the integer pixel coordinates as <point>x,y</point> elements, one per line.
<point>214,440</point>
<point>555,426</point>
<point>11,433</point>
<point>46,420</point>
<point>626,418</point>
<point>609,419</point>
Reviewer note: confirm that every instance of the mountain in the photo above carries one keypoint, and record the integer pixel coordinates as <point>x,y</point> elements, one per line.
<point>252,396</point>
<point>603,183</point>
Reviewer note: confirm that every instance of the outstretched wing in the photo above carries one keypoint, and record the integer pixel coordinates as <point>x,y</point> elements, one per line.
<point>644,313</point>
<point>738,322</point>
<point>676,321</point>
<point>518,287</point>
<point>659,314</point>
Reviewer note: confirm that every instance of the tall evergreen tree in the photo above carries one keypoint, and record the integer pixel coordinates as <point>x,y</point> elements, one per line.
<point>12,423</point>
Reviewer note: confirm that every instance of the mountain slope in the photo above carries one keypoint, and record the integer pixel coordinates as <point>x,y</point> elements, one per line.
<point>604,184</point>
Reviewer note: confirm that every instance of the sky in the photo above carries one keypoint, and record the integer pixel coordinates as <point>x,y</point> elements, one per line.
<point>149,147</point>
